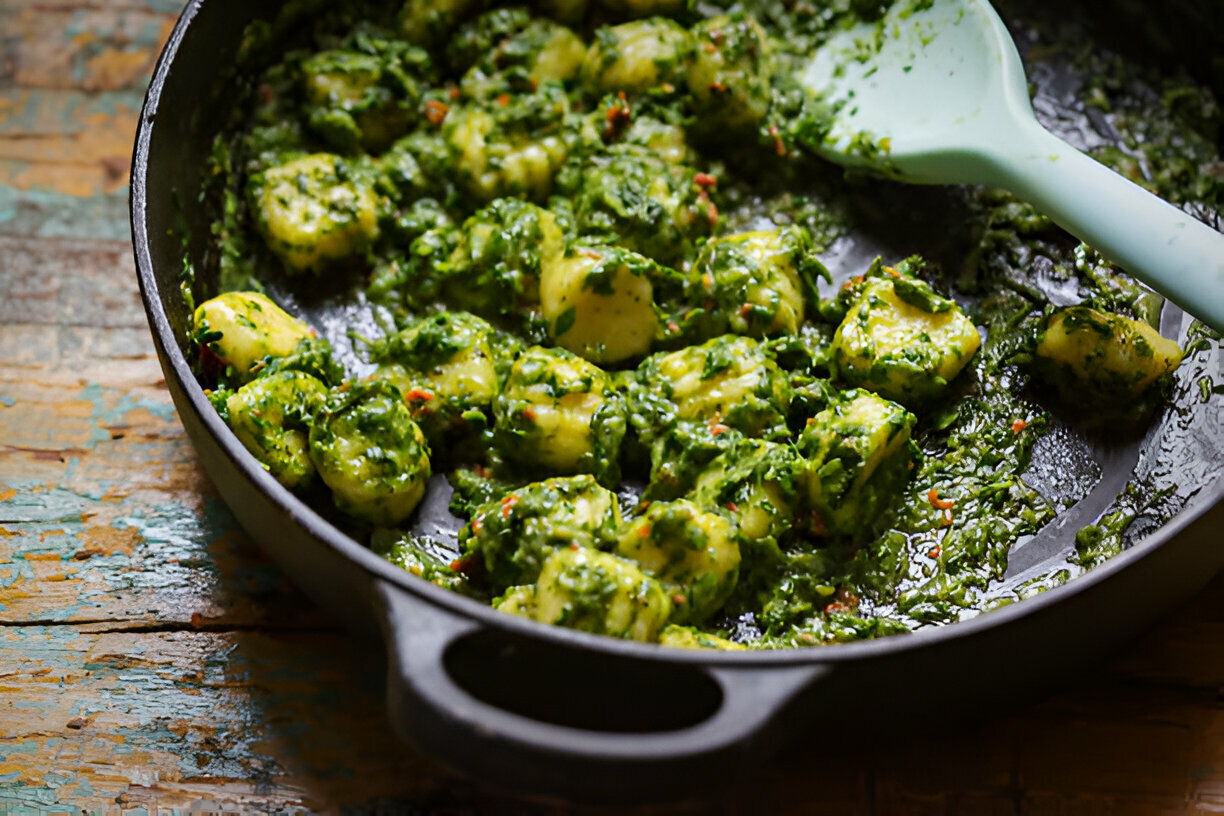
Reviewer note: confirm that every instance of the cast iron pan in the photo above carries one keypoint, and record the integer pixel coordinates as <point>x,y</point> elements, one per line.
<point>550,710</point>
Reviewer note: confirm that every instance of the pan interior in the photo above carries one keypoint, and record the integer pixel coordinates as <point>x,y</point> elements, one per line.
<point>1111,487</point>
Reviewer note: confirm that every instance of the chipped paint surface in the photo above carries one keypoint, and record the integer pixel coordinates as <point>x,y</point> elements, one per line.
<point>151,659</point>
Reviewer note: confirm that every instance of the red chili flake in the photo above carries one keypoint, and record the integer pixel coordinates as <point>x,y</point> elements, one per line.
<point>846,596</point>
<point>1018,426</point>
<point>679,599</point>
<point>210,362</point>
<point>947,520</point>
<point>453,93</point>
<point>508,503</point>
<point>717,87</point>
<point>705,180</point>
<point>418,395</point>
<point>836,606</point>
<point>712,213</point>
<point>717,427</point>
<point>745,310</point>
<point>672,326</point>
<point>481,471</point>
<point>709,48</point>
<point>619,115</point>
<point>806,637</point>
<point>529,414</point>
<point>779,145</point>
<point>477,523</point>
<point>644,531</point>
<point>938,503</point>
<point>435,111</point>
<point>465,563</point>
<point>503,99</point>
<point>642,505</point>
<point>934,551</point>
<point>574,546</point>
<point>731,506</point>
<point>716,34</point>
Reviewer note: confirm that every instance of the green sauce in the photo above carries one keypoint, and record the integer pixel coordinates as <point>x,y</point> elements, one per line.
<point>597,251</point>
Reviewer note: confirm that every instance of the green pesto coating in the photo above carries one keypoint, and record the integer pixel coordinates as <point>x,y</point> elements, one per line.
<point>272,416</point>
<point>370,453</point>
<point>728,383</point>
<point>592,241</point>
<point>515,534</point>
<point>754,283</point>
<point>602,593</point>
<point>365,96</point>
<point>557,413</point>
<point>446,368</point>
<point>693,553</point>
<point>859,455</point>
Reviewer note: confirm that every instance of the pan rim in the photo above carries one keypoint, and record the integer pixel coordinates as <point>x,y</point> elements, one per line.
<point>175,365</point>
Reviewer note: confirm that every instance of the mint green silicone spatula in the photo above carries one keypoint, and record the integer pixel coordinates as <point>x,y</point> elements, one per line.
<point>935,94</point>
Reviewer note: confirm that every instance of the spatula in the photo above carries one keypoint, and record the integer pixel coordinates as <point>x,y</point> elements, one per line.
<point>935,93</point>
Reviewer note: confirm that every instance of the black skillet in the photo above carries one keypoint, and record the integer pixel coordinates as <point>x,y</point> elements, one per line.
<point>550,710</point>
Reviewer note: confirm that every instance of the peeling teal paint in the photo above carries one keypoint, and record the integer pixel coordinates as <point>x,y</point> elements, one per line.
<point>5,399</point>
<point>46,214</point>
<point>24,747</point>
<point>105,417</point>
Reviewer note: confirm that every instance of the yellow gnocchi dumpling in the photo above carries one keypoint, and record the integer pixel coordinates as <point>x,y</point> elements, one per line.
<point>859,457</point>
<point>1110,354</point>
<point>599,303</point>
<point>425,22</point>
<point>688,637</point>
<point>602,593</point>
<point>753,280</point>
<point>242,328</point>
<point>559,412</point>
<point>902,340</point>
<point>444,365</point>
<point>694,554</point>
<point>638,56</point>
<point>727,381</point>
<point>729,74</point>
<point>492,163</point>
<point>312,212</point>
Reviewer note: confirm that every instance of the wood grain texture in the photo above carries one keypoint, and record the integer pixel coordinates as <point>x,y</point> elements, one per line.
<point>151,659</point>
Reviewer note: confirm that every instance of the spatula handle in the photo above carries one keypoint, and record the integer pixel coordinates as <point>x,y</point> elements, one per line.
<point>1156,242</point>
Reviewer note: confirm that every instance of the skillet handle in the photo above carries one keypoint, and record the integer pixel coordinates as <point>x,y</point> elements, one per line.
<point>714,722</point>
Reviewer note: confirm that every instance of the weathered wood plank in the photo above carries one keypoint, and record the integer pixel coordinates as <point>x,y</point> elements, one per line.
<point>151,658</point>
<point>104,514</point>
<point>72,77</point>
<point>70,283</point>
<point>91,719</point>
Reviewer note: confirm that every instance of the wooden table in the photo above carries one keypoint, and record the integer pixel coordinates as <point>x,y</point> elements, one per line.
<point>151,658</point>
